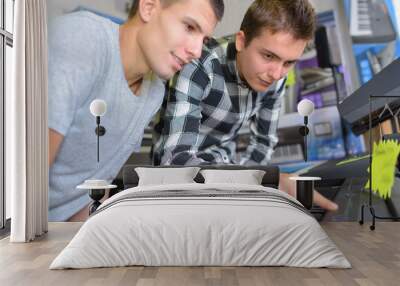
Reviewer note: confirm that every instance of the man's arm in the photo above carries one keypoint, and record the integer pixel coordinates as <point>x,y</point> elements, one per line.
<point>55,140</point>
<point>182,117</point>
<point>180,138</point>
<point>262,141</point>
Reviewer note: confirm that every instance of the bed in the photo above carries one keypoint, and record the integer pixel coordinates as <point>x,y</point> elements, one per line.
<point>201,224</point>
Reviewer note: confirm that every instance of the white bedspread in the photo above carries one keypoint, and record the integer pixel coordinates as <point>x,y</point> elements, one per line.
<point>221,224</point>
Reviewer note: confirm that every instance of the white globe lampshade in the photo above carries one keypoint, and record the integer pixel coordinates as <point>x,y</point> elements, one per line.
<point>98,107</point>
<point>305,107</point>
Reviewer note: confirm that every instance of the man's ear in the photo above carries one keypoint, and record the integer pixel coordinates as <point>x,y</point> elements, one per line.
<point>240,42</point>
<point>147,8</point>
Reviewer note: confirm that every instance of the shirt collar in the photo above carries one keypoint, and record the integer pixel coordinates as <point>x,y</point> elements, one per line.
<point>231,62</point>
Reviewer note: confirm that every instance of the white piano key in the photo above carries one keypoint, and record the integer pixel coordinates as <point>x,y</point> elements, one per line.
<point>360,23</point>
<point>396,6</point>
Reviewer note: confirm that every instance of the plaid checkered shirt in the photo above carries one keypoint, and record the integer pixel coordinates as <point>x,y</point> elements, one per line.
<point>206,105</point>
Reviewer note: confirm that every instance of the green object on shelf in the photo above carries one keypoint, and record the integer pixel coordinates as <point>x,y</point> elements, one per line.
<point>291,77</point>
<point>351,160</point>
<point>384,159</point>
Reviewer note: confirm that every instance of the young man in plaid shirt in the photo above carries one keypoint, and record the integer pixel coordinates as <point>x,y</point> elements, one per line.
<point>239,80</point>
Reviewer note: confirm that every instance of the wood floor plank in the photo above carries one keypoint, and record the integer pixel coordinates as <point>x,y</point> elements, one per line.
<point>374,255</point>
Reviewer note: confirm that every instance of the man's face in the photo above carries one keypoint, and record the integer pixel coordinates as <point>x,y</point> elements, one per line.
<point>175,34</point>
<point>267,58</point>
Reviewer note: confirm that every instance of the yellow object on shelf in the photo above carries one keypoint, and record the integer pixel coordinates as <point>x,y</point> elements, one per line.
<point>384,159</point>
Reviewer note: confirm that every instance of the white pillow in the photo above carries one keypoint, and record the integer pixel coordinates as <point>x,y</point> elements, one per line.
<point>248,177</point>
<point>166,176</point>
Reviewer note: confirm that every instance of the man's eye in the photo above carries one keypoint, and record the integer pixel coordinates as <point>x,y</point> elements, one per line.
<point>288,64</point>
<point>189,28</point>
<point>267,56</point>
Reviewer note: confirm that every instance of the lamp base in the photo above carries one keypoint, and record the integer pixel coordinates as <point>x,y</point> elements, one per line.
<point>303,130</point>
<point>304,193</point>
<point>97,190</point>
<point>305,190</point>
<point>96,195</point>
<point>100,130</point>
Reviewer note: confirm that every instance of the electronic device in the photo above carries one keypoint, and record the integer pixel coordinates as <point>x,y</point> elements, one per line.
<point>370,22</point>
<point>354,109</point>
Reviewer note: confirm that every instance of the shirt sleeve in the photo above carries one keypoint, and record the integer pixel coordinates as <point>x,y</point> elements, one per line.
<point>180,138</point>
<point>263,129</point>
<point>73,67</point>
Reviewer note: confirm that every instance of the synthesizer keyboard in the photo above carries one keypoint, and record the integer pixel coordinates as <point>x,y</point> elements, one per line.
<point>370,22</point>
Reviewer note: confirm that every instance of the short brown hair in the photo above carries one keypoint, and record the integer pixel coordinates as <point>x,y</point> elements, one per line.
<point>217,6</point>
<point>294,16</point>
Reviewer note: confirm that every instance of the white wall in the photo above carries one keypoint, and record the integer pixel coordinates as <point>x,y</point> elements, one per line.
<point>234,12</point>
<point>323,5</point>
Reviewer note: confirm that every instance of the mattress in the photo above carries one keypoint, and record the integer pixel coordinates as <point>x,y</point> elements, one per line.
<point>201,225</point>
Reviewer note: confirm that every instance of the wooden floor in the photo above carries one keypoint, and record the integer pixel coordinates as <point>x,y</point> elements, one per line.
<point>374,255</point>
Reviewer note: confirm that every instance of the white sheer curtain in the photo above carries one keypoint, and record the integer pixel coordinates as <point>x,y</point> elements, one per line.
<point>26,123</point>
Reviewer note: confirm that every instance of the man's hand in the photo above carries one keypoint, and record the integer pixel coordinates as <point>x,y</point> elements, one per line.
<point>55,140</point>
<point>289,187</point>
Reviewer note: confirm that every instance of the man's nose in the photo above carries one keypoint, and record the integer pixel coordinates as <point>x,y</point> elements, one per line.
<point>276,72</point>
<point>195,48</point>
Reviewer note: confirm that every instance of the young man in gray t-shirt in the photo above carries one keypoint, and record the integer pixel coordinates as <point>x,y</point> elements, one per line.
<point>92,58</point>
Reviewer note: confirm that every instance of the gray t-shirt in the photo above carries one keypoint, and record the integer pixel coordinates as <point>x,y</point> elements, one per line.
<point>85,64</point>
